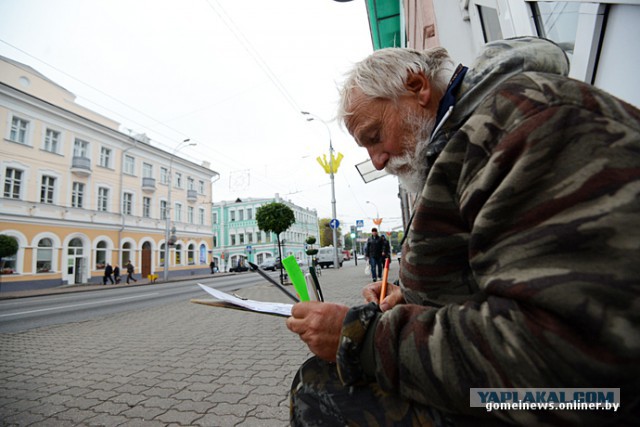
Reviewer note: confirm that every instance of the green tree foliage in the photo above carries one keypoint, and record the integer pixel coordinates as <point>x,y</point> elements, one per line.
<point>275,218</point>
<point>8,246</point>
<point>326,233</point>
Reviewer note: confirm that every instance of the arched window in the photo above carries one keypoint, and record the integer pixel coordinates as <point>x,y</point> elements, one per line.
<point>191,254</point>
<point>44,256</point>
<point>101,255</point>
<point>126,253</point>
<point>203,254</point>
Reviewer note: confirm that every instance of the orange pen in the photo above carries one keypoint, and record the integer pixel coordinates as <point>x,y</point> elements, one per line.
<point>385,276</point>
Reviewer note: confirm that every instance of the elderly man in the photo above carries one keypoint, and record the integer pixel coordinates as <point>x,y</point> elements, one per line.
<point>521,264</point>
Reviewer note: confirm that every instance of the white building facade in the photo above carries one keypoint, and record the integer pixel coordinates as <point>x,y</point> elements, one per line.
<point>78,193</point>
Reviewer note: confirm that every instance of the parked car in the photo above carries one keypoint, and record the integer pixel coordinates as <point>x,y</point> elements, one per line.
<point>239,267</point>
<point>269,264</point>
<point>326,257</point>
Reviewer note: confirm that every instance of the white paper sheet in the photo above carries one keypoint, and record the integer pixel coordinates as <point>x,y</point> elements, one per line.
<point>278,308</point>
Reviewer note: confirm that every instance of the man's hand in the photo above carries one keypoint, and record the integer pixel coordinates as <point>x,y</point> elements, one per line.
<point>319,325</point>
<point>371,293</point>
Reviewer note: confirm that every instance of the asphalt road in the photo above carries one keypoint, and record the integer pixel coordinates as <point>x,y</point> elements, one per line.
<point>22,314</point>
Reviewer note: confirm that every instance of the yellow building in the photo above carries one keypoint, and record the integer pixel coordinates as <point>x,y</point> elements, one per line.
<point>77,193</point>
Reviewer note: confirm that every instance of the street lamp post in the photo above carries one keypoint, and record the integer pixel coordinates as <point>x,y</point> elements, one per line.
<point>311,117</point>
<point>375,206</point>
<point>167,231</point>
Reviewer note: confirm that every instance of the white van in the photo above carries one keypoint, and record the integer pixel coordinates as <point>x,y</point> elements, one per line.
<point>326,257</point>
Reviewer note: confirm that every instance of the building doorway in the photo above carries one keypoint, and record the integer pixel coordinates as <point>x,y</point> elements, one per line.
<point>75,262</point>
<point>145,262</point>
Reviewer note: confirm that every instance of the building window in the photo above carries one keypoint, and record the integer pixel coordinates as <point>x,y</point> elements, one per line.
<point>126,253</point>
<point>127,203</point>
<point>105,157</point>
<point>162,254</point>
<point>490,23</point>
<point>77,195</point>
<point>47,189</point>
<point>101,255</point>
<point>178,180</point>
<point>52,141</point>
<point>201,216</point>
<point>191,251</point>
<point>191,184</point>
<point>177,215</point>
<point>12,183</point>
<point>164,176</point>
<point>44,256</point>
<point>80,148</point>
<point>232,215</point>
<point>163,209</point>
<point>103,199</point>
<point>249,238</point>
<point>558,21</point>
<point>190,212</point>
<point>240,215</point>
<point>241,238</point>
<point>249,214</point>
<point>147,170</point>
<point>259,237</point>
<point>146,207</point>
<point>215,241</point>
<point>214,217</point>
<point>19,129</point>
<point>9,264</point>
<point>201,187</point>
<point>129,165</point>
<point>267,237</point>
<point>233,239</point>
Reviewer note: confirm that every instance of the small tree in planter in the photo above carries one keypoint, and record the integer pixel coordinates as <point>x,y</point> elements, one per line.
<point>311,251</point>
<point>275,218</point>
<point>8,247</point>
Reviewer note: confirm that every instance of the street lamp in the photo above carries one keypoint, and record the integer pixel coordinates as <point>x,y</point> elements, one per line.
<point>167,231</point>
<point>311,117</point>
<point>375,206</point>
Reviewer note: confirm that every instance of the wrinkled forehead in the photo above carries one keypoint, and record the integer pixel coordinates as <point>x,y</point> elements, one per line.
<point>360,110</point>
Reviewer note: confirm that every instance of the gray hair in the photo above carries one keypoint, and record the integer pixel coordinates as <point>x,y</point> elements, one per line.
<point>383,74</point>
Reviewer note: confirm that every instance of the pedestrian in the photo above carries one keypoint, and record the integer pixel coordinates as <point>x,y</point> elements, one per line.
<point>520,264</point>
<point>116,273</point>
<point>130,270</point>
<point>374,254</point>
<point>386,251</point>
<point>108,271</point>
<point>212,265</point>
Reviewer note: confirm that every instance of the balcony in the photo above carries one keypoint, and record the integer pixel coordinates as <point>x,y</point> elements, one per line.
<point>192,195</point>
<point>81,166</point>
<point>148,185</point>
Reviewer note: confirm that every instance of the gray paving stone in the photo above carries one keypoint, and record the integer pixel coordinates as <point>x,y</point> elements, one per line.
<point>182,418</point>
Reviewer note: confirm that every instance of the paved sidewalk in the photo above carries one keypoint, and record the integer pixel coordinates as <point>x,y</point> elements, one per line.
<point>182,364</point>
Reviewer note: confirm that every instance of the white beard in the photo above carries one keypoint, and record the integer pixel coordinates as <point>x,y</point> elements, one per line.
<point>411,167</point>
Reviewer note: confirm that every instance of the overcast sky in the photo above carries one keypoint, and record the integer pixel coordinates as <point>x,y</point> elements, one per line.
<point>230,75</point>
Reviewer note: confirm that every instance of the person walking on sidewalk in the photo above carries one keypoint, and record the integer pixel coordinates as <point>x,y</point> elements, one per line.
<point>116,273</point>
<point>108,271</point>
<point>373,252</point>
<point>130,270</point>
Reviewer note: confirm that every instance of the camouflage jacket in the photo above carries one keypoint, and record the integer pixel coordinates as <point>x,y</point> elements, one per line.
<point>522,262</point>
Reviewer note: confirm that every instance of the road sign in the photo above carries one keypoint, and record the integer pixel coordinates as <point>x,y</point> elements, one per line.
<point>359,223</point>
<point>334,223</point>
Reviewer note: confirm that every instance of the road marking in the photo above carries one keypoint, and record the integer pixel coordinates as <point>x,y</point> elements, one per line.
<point>77,305</point>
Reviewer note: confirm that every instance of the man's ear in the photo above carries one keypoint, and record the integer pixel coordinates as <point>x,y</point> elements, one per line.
<point>419,85</point>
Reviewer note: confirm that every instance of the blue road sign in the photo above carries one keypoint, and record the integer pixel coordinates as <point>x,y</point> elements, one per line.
<point>334,223</point>
<point>359,223</point>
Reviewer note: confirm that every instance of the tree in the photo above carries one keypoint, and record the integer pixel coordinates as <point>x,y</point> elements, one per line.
<point>326,233</point>
<point>275,218</point>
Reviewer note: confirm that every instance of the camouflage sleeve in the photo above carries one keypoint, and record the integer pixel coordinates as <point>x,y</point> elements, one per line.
<point>549,189</point>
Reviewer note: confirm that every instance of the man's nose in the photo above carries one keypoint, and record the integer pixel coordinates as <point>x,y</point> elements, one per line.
<point>378,157</point>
